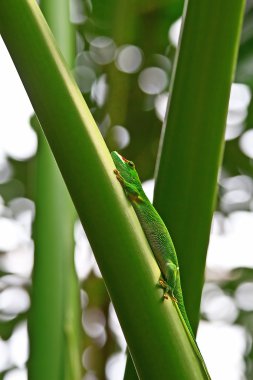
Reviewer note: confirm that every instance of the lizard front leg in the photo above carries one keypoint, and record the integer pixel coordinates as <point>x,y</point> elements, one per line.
<point>130,189</point>
<point>168,292</point>
<point>171,275</point>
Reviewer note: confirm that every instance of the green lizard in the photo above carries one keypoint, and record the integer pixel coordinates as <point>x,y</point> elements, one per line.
<point>158,238</point>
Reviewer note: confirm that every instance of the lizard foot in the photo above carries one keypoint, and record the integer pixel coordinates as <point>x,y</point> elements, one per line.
<point>167,290</point>
<point>163,283</point>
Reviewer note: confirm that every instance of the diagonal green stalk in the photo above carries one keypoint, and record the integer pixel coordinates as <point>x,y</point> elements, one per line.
<point>156,338</point>
<point>54,335</point>
<point>192,141</point>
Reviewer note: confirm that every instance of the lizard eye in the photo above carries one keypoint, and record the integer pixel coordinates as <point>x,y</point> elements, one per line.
<point>130,163</point>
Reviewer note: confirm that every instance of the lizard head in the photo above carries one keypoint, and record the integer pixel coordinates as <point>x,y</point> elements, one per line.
<point>126,169</point>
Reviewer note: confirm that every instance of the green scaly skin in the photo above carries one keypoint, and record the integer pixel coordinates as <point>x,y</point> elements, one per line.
<point>159,239</point>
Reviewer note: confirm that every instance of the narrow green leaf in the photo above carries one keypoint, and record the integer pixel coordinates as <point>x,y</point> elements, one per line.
<point>192,143</point>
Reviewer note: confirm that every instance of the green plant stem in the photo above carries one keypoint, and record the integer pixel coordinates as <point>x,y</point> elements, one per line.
<point>154,333</point>
<point>192,140</point>
<point>54,335</point>
<point>58,16</point>
<point>46,319</point>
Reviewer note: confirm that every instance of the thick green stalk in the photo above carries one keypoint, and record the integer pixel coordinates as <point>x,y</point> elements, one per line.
<point>54,335</point>
<point>192,141</point>
<point>156,338</point>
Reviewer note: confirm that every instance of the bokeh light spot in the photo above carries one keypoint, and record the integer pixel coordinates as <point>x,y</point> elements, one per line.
<point>77,12</point>
<point>115,366</point>
<point>84,76</point>
<point>129,59</point>
<point>16,374</point>
<point>217,305</point>
<point>3,355</point>
<point>153,80</point>
<point>93,322</point>
<point>115,327</point>
<point>12,234</point>
<point>19,261</point>
<point>14,300</point>
<point>118,136</point>
<point>240,97</point>
<point>174,32</point>
<point>246,143</point>
<point>244,296</point>
<point>99,90</point>
<point>161,103</point>
<point>18,345</point>
<point>102,50</point>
